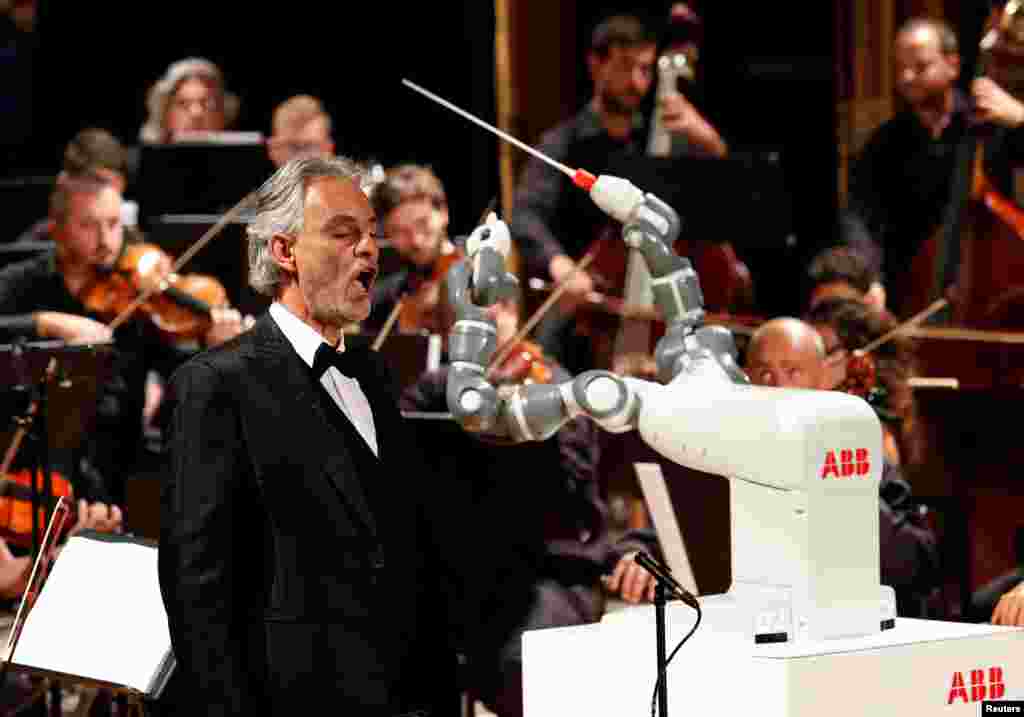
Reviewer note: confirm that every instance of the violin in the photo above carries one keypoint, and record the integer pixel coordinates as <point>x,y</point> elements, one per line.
<point>525,363</point>
<point>861,375</point>
<point>18,525</point>
<point>180,306</point>
<point>16,503</point>
<point>418,311</point>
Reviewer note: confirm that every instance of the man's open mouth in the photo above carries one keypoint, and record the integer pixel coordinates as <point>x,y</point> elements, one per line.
<point>366,277</point>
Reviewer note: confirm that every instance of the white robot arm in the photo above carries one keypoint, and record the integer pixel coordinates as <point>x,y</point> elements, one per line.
<point>804,465</point>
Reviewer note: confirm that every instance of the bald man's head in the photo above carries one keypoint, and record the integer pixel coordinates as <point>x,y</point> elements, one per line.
<point>788,353</point>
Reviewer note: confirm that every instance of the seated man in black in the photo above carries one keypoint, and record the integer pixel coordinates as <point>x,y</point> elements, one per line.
<point>44,298</point>
<point>548,522</point>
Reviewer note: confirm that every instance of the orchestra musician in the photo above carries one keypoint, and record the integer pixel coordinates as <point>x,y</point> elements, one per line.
<point>547,522</point>
<point>848,323</point>
<point>95,150</point>
<point>189,97</point>
<point>552,222</point>
<point>298,564</point>
<point>300,127</point>
<point>902,184</point>
<point>43,298</point>
<point>412,208</point>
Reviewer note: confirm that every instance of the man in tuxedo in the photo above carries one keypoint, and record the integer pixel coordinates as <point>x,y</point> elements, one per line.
<point>297,564</point>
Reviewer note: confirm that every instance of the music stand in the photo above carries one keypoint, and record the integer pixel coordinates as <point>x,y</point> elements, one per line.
<point>197,178</point>
<point>30,372</point>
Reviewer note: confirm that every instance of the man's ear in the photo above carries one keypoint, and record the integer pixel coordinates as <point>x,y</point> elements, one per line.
<point>281,246</point>
<point>274,151</point>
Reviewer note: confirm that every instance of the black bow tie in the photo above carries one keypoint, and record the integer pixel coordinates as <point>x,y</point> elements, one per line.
<point>327,356</point>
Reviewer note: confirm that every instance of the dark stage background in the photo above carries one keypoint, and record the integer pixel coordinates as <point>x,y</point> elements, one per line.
<point>767,83</point>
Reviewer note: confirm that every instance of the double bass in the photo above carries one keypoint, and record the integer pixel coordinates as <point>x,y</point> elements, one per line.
<point>726,281</point>
<point>982,227</point>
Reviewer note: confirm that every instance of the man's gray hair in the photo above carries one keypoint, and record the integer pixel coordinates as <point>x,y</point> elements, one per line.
<point>160,94</point>
<point>279,208</point>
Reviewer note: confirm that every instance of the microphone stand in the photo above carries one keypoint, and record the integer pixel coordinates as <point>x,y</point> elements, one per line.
<point>665,584</point>
<point>659,623</point>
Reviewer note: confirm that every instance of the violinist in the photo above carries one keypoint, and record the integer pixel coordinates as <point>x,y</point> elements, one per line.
<point>546,522</point>
<point>15,569</point>
<point>902,184</point>
<point>300,128</point>
<point>412,209</point>
<point>42,298</point>
<point>189,97</point>
<point>789,353</point>
<point>95,150</point>
<point>847,324</point>
<point>552,222</point>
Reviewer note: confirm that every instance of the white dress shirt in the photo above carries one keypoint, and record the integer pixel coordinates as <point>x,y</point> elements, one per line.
<point>345,391</point>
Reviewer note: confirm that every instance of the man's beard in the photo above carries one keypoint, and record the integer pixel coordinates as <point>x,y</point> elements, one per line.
<point>330,311</point>
<point>930,101</point>
<point>614,105</point>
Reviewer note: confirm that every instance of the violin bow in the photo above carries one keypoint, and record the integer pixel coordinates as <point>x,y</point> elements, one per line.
<point>205,239</point>
<point>526,328</point>
<point>913,321</point>
<point>393,316</point>
<point>386,329</point>
<point>37,577</point>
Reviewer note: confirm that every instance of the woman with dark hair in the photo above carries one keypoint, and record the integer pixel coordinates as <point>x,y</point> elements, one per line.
<point>908,546</point>
<point>846,325</point>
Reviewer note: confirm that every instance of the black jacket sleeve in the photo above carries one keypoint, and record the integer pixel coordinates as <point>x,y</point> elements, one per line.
<point>201,541</point>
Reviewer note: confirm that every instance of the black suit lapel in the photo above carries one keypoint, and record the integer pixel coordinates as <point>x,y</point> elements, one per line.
<point>303,414</point>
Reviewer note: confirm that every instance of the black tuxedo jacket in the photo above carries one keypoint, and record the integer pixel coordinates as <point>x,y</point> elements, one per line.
<point>295,567</point>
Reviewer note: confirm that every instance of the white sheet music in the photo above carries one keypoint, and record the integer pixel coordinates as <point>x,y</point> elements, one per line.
<point>99,615</point>
<point>652,483</point>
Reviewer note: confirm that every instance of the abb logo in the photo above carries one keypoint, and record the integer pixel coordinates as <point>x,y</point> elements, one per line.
<point>980,690</point>
<point>848,463</point>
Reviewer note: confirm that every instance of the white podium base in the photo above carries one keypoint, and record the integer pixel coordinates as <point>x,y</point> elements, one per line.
<point>917,668</point>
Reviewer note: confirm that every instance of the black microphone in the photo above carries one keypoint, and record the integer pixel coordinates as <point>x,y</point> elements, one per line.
<point>664,576</point>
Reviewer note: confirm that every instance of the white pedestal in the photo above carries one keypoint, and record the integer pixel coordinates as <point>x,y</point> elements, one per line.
<point>609,668</point>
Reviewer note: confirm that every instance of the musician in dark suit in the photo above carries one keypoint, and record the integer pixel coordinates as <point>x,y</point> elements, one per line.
<point>297,565</point>
<point>552,221</point>
<point>904,183</point>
